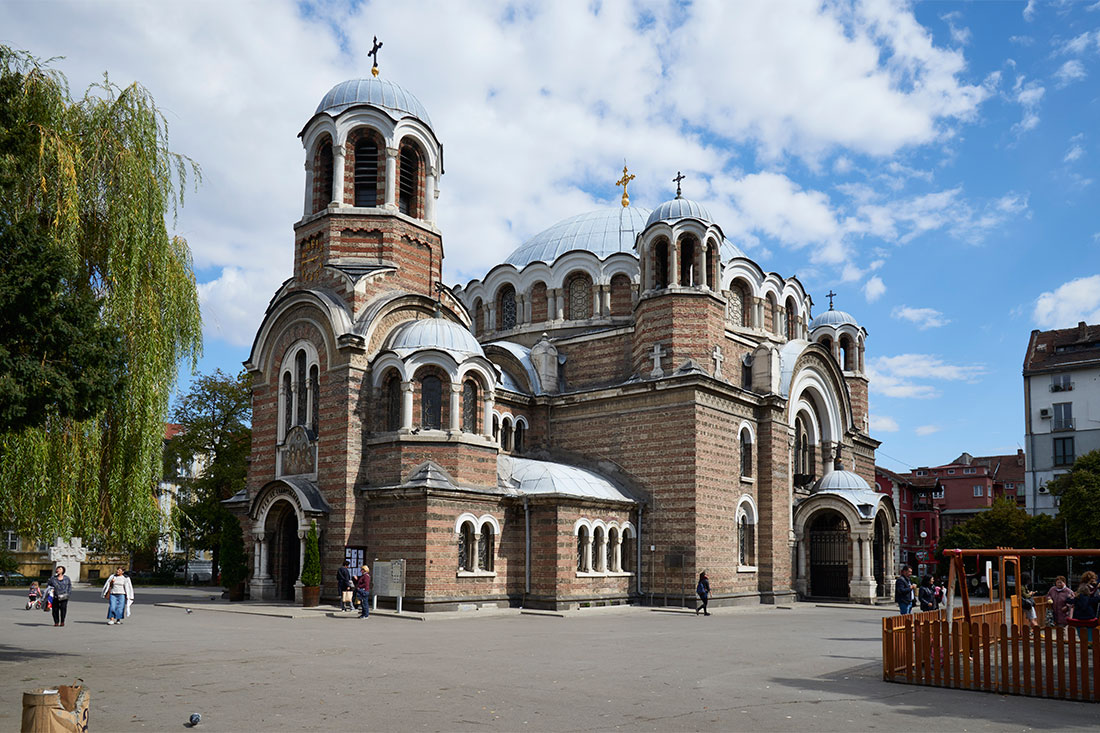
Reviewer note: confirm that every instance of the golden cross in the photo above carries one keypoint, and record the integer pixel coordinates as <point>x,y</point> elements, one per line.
<point>627,178</point>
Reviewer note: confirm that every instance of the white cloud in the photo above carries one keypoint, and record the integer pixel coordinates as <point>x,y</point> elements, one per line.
<point>884,424</point>
<point>1069,72</point>
<point>1087,41</point>
<point>959,34</point>
<point>1029,11</point>
<point>873,289</point>
<point>1028,94</point>
<point>231,301</point>
<point>924,318</point>
<point>927,429</point>
<point>1072,302</point>
<point>897,376</point>
<point>905,219</point>
<point>1075,151</point>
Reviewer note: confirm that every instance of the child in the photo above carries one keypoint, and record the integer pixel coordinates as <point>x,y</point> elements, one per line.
<point>34,596</point>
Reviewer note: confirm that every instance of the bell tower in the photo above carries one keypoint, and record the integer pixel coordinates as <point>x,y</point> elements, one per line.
<point>372,170</point>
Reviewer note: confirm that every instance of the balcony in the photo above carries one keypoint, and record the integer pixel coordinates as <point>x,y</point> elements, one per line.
<point>1061,426</point>
<point>1066,387</point>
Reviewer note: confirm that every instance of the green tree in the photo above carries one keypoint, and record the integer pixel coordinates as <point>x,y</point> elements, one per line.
<point>96,176</point>
<point>234,560</point>
<point>1079,503</point>
<point>215,432</point>
<point>1002,525</point>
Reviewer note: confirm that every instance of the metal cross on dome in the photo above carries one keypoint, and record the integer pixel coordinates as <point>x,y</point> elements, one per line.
<point>830,295</point>
<point>374,52</point>
<point>626,179</point>
<point>679,177</point>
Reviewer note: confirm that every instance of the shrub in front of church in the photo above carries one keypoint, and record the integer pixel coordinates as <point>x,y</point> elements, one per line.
<point>234,564</point>
<point>311,570</point>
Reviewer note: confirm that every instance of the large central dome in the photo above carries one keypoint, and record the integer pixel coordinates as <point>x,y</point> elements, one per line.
<point>603,233</point>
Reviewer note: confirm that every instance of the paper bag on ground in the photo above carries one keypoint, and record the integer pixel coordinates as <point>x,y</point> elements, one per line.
<point>60,710</point>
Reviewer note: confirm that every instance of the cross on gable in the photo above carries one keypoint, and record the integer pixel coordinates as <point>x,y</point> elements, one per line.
<point>657,354</point>
<point>718,359</point>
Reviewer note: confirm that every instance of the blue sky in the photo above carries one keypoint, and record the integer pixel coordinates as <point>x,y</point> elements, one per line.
<point>933,163</point>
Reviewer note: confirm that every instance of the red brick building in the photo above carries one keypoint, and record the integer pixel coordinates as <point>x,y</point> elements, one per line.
<point>626,401</point>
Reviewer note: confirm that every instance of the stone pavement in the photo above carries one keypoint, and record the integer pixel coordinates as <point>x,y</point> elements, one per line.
<point>276,668</point>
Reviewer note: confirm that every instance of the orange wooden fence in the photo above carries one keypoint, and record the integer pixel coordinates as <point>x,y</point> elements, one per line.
<point>990,655</point>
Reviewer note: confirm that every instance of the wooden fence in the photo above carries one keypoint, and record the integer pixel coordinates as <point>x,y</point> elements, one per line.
<point>989,655</point>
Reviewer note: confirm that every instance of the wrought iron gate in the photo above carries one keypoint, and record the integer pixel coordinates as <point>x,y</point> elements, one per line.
<point>829,563</point>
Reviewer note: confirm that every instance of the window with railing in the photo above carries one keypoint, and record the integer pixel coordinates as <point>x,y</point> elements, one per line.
<point>1060,383</point>
<point>1063,416</point>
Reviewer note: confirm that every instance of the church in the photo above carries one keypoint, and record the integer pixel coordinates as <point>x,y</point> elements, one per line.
<point>626,401</point>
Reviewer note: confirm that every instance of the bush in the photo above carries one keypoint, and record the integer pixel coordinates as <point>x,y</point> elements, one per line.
<point>311,571</point>
<point>234,563</point>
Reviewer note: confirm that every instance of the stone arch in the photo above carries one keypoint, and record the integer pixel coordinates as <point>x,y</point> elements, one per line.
<point>689,251</point>
<point>771,313</point>
<point>740,304</point>
<point>746,518</point>
<point>622,301</point>
<point>323,169</point>
<point>578,296</point>
<point>538,302</point>
<point>281,513</point>
<point>411,174</point>
<point>365,166</point>
<point>507,304</point>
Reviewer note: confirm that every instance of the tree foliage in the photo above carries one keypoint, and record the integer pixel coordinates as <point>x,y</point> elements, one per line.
<point>1003,525</point>
<point>234,560</point>
<point>99,180</point>
<point>311,567</point>
<point>1079,503</point>
<point>214,418</point>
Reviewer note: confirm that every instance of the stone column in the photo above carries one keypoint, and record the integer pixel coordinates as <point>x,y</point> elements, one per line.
<point>429,196</point>
<point>391,178</point>
<point>605,300</point>
<point>487,421</point>
<point>491,311</point>
<point>862,587</point>
<point>456,399</point>
<point>559,304</point>
<point>703,254</point>
<point>309,187</point>
<point>406,405</point>
<point>522,306</point>
<point>673,264</point>
<point>338,175</point>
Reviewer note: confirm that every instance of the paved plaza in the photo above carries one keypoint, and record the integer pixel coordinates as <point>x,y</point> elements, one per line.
<point>807,668</point>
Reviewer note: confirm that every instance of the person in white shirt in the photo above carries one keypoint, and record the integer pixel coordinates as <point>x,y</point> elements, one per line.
<point>119,591</point>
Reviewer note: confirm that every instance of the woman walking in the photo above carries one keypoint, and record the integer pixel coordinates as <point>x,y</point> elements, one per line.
<point>118,590</point>
<point>703,591</point>
<point>62,588</point>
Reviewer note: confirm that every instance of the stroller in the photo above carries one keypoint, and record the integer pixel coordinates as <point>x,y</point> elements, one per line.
<point>34,597</point>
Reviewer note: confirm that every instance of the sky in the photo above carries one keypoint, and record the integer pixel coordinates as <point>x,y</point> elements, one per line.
<point>933,163</point>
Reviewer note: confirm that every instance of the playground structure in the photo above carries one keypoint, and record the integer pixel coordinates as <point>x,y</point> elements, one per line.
<point>990,647</point>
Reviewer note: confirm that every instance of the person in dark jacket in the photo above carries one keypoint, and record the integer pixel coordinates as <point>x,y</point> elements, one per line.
<point>926,594</point>
<point>1086,605</point>
<point>903,590</point>
<point>62,588</point>
<point>703,591</point>
<point>362,589</point>
<point>345,582</point>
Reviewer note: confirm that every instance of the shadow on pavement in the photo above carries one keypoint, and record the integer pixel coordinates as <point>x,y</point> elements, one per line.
<point>19,654</point>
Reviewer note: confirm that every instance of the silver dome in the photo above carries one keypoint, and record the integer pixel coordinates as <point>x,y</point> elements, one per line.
<point>833,318</point>
<point>603,233</point>
<point>375,93</point>
<point>678,208</point>
<point>434,333</point>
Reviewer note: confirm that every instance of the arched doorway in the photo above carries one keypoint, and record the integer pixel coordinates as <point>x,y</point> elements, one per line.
<point>878,551</point>
<point>829,548</point>
<point>284,557</point>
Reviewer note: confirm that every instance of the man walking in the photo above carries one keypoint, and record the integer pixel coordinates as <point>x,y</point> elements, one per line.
<point>903,591</point>
<point>345,583</point>
<point>363,591</point>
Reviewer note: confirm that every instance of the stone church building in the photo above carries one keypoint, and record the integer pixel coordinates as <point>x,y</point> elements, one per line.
<point>625,401</point>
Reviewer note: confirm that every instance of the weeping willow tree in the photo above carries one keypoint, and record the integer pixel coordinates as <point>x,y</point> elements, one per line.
<point>99,179</point>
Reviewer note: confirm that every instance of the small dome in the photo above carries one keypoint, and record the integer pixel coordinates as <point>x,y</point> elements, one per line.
<point>434,333</point>
<point>833,318</point>
<point>678,208</point>
<point>841,480</point>
<point>375,93</point>
<point>603,233</point>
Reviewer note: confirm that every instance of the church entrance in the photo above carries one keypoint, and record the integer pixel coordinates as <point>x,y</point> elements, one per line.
<point>829,544</point>
<point>284,559</point>
<point>878,559</point>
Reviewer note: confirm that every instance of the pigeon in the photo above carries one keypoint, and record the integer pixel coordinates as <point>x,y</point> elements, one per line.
<point>195,719</point>
<point>189,610</point>
<point>213,598</point>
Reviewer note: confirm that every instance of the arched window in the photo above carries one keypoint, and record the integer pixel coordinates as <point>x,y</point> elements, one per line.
<point>746,533</point>
<point>689,273</point>
<point>580,298</point>
<point>302,396</point>
<point>712,263</point>
<point>621,295</point>
<point>393,403</point>
<point>746,309</point>
<point>431,403</point>
<point>288,403</point>
<point>584,560</point>
<point>485,547</point>
<point>746,454</point>
<point>324,173</point>
<point>469,406</point>
<point>496,429</point>
<point>773,314</point>
<point>520,437</point>
<point>827,343</point>
<point>539,302</point>
<point>599,551</point>
<point>792,319</point>
<point>660,264</point>
<point>314,398</point>
<point>613,550</point>
<point>506,308</point>
<point>746,372</point>
<point>366,173</point>
<point>506,434</point>
<point>479,317</point>
<point>409,181</point>
<point>466,545</point>
<point>847,356</point>
<point>628,553</point>
<point>803,462</point>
